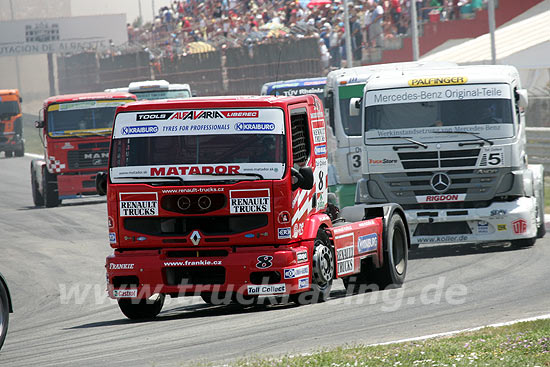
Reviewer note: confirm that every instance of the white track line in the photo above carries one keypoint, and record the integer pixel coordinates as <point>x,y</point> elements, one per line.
<point>449,333</point>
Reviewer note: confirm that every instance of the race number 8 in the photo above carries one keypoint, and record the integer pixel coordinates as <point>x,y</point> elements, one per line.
<point>264,262</point>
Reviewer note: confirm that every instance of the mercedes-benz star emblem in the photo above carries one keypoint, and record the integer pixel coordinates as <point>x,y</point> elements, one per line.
<point>440,182</point>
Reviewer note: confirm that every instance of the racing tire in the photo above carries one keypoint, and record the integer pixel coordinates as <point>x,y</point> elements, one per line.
<point>49,185</point>
<point>141,309</point>
<point>324,270</point>
<point>20,152</point>
<point>396,255</point>
<point>392,273</point>
<point>37,197</point>
<point>8,153</point>
<point>4,313</point>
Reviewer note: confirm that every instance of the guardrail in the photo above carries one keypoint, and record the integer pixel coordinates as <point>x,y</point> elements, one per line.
<point>538,146</point>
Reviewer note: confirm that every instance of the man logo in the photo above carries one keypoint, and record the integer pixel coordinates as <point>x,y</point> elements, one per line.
<point>440,182</point>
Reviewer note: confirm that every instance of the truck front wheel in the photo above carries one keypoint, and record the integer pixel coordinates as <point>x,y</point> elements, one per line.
<point>37,197</point>
<point>135,309</point>
<point>49,185</point>
<point>323,272</point>
<point>20,151</point>
<point>541,229</point>
<point>4,313</point>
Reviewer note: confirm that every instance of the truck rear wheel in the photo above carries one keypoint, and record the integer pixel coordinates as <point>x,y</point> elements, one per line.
<point>396,255</point>
<point>395,262</point>
<point>8,153</point>
<point>323,272</point>
<point>37,197</point>
<point>141,309</point>
<point>4,313</point>
<point>49,185</point>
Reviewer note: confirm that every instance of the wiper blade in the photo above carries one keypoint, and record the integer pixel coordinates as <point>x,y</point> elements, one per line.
<point>257,175</point>
<point>465,132</point>
<point>404,138</point>
<point>156,179</point>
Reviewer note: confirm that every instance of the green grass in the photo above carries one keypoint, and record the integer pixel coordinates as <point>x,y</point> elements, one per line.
<point>523,344</point>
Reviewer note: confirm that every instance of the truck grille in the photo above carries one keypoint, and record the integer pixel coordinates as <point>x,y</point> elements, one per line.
<point>404,187</point>
<point>87,158</point>
<point>209,226</point>
<point>439,159</point>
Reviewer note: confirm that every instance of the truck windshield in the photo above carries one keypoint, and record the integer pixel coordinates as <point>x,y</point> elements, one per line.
<point>297,88</point>
<point>162,94</point>
<point>195,143</point>
<point>8,109</point>
<point>351,124</point>
<point>447,106</point>
<point>82,118</point>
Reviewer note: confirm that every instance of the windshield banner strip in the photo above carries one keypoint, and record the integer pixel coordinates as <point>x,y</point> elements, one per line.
<point>433,94</point>
<point>431,134</point>
<point>199,172</point>
<point>198,122</point>
<point>69,106</point>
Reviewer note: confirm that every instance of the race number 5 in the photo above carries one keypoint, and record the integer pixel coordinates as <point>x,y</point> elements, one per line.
<point>495,159</point>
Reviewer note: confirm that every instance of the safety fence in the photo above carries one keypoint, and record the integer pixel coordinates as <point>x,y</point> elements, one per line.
<point>87,72</point>
<point>538,146</point>
<point>233,71</point>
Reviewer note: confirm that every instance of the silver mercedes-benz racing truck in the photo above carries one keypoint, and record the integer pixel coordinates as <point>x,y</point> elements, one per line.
<point>449,145</point>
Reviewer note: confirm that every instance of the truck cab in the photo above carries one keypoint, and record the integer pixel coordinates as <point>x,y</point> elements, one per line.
<point>75,133</point>
<point>344,129</point>
<point>11,123</point>
<point>226,198</point>
<point>156,89</point>
<point>448,145</point>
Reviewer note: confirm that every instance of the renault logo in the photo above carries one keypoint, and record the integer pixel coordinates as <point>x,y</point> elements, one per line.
<point>440,182</point>
<point>195,238</point>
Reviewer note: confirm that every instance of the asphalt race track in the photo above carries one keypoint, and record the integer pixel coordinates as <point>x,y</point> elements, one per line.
<point>53,260</point>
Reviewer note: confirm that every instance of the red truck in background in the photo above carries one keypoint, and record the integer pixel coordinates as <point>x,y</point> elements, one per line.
<point>11,123</point>
<point>76,137</point>
<point>227,198</point>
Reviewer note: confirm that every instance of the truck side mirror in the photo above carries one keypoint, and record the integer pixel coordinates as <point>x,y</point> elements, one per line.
<point>522,98</point>
<point>354,106</point>
<point>302,179</point>
<point>193,93</point>
<point>20,99</point>
<point>39,124</point>
<point>101,183</point>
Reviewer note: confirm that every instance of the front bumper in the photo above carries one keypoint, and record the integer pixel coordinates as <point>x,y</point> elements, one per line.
<point>72,186</point>
<point>249,271</point>
<point>501,221</point>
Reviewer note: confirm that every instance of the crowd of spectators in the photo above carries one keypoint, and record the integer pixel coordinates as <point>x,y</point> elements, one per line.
<point>217,24</point>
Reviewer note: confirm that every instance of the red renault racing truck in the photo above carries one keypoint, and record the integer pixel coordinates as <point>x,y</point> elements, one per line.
<point>75,132</point>
<point>226,198</point>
